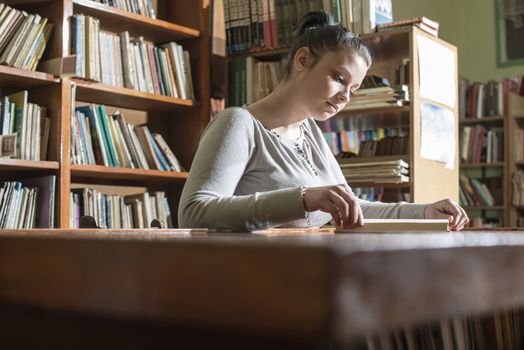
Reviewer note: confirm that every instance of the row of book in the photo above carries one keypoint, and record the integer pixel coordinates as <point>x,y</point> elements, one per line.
<point>478,100</point>
<point>482,145</point>
<point>251,79</point>
<point>99,138</point>
<point>267,24</point>
<point>388,146</point>
<point>24,128</point>
<point>346,141</point>
<point>23,37</point>
<point>28,203</point>
<point>380,194</point>
<point>141,7</point>
<point>120,212</point>
<point>474,192</point>
<point>117,60</point>
<point>501,330</point>
<point>391,172</point>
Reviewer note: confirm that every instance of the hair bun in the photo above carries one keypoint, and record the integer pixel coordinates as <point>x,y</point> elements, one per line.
<point>314,19</point>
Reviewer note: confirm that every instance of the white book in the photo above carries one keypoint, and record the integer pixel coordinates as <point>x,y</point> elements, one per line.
<point>138,147</point>
<point>189,75</point>
<point>16,39</point>
<point>37,28</point>
<point>398,226</point>
<point>139,69</point>
<point>166,150</point>
<point>20,215</point>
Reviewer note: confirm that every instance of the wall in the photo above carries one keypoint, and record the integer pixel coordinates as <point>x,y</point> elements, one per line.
<point>472,31</point>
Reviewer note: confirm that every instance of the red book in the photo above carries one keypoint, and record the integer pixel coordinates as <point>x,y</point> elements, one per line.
<point>154,68</point>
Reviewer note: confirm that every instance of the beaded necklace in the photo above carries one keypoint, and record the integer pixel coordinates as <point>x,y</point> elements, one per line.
<point>300,150</point>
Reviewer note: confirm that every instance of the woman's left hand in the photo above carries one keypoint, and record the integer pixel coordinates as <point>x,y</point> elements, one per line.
<point>448,209</point>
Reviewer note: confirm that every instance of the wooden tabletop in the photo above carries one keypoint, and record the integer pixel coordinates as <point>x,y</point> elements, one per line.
<point>312,283</point>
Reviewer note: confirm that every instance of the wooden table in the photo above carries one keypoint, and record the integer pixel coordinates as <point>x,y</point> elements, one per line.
<point>147,289</point>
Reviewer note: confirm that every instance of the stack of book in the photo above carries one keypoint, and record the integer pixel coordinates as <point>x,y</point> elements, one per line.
<point>474,192</point>
<point>111,141</point>
<point>24,128</point>
<point>28,204</point>
<point>382,96</point>
<point>23,37</point>
<point>424,23</point>
<point>391,172</point>
<point>120,212</point>
<point>119,61</point>
<point>141,7</point>
<point>483,145</point>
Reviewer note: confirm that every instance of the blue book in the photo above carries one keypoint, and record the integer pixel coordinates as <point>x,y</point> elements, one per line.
<point>163,162</point>
<point>97,134</point>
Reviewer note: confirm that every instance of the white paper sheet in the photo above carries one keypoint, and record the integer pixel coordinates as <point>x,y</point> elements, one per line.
<point>437,72</point>
<point>437,134</point>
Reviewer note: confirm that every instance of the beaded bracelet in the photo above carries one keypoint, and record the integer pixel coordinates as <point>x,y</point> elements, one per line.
<point>307,214</point>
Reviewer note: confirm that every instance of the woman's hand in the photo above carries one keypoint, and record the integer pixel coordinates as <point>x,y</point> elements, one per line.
<point>337,200</point>
<point>447,209</point>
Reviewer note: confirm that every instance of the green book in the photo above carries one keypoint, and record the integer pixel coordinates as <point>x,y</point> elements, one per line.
<point>110,143</point>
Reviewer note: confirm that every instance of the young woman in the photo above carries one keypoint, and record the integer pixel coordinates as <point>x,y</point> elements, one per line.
<point>267,164</point>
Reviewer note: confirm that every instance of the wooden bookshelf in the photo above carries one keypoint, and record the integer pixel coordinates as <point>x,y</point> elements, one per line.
<point>359,160</point>
<point>11,77</point>
<point>21,164</point>
<point>482,120</point>
<point>103,172</point>
<point>515,115</point>
<point>129,98</point>
<point>180,121</point>
<point>482,165</point>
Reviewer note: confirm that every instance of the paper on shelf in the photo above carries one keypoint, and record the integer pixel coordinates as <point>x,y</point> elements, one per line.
<point>437,72</point>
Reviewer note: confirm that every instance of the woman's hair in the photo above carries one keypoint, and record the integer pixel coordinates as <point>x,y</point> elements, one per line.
<point>319,32</point>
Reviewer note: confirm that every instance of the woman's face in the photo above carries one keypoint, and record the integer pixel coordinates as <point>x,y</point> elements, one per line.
<point>327,85</point>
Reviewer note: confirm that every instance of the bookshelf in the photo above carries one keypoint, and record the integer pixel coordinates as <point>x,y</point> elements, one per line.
<point>428,180</point>
<point>515,115</point>
<point>180,121</point>
<point>496,173</point>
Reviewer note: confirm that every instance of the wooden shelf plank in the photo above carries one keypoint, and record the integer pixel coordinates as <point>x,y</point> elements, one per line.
<point>373,110</point>
<point>103,172</point>
<point>481,120</point>
<point>11,77</point>
<point>272,53</point>
<point>127,98</point>
<point>358,160</point>
<point>378,184</point>
<point>7,164</point>
<point>117,20</point>
<point>482,165</point>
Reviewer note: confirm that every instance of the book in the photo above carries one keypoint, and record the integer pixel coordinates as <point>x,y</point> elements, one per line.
<point>398,226</point>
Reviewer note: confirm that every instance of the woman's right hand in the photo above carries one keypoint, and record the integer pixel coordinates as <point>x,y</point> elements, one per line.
<point>337,200</point>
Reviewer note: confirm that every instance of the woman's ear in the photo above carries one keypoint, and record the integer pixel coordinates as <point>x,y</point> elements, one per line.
<point>302,59</point>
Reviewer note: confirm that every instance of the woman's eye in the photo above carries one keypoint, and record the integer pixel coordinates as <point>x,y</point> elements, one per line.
<point>338,78</point>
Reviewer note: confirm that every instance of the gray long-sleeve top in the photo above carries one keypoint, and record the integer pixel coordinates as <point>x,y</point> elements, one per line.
<point>245,177</point>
